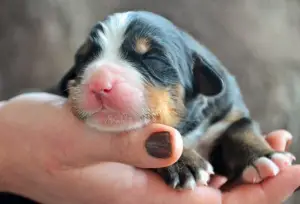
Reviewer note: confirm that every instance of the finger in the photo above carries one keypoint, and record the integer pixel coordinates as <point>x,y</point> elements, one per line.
<point>76,144</point>
<point>217,181</point>
<point>151,147</point>
<point>279,140</point>
<point>280,188</point>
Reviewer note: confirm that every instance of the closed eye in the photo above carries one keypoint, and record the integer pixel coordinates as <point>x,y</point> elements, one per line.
<point>156,57</point>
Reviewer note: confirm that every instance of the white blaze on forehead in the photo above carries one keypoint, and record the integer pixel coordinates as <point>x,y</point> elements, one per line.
<point>113,33</point>
<point>111,39</point>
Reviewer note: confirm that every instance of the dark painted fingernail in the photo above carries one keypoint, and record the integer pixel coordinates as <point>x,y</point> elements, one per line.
<point>158,145</point>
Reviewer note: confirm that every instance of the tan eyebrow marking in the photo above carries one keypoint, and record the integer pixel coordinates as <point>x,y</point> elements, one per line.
<point>142,45</point>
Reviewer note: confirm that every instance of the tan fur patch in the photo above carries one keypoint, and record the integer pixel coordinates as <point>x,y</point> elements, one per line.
<point>164,106</point>
<point>250,137</point>
<point>256,142</point>
<point>142,45</point>
<point>234,115</point>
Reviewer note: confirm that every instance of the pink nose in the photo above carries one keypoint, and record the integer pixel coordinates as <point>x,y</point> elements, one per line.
<point>101,82</point>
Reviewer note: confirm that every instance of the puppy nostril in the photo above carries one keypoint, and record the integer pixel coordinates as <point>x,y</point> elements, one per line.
<point>101,92</point>
<point>106,90</point>
<point>100,88</point>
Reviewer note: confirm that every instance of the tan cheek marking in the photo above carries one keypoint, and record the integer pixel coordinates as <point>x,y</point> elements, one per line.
<point>163,106</point>
<point>178,96</point>
<point>142,45</point>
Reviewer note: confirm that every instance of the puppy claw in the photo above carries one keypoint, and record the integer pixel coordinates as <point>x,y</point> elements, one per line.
<point>291,156</point>
<point>210,169</point>
<point>190,184</point>
<point>175,183</point>
<point>204,177</point>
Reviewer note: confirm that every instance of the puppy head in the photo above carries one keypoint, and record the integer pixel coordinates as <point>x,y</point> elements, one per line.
<point>135,68</point>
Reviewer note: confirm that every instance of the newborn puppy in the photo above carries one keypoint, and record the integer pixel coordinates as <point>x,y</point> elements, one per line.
<point>137,68</point>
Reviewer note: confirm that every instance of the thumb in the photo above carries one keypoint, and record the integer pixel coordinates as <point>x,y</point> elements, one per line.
<point>75,144</point>
<point>151,147</point>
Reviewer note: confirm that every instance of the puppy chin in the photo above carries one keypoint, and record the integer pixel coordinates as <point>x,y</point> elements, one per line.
<point>116,126</point>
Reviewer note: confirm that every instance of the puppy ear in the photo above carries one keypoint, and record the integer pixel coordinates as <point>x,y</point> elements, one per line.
<point>73,72</point>
<point>63,84</point>
<point>207,80</point>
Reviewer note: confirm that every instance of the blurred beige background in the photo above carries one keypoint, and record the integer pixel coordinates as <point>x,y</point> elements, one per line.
<point>258,40</point>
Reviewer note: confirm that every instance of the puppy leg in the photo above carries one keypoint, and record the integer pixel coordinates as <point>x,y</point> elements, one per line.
<point>190,170</point>
<point>242,152</point>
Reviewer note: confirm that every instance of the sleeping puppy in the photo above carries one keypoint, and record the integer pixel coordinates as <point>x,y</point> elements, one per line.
<point>137,68</point>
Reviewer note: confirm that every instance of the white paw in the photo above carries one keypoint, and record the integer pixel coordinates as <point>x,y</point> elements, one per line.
<point>265,167</point>
<point>190,183</point>
<point>202,178</point>
<point>204,175</point>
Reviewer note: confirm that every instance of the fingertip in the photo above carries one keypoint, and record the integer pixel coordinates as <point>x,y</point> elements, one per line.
<point>177,145</point>
<point>279,139</point>
<point>217,181</point>
<point>164,144</point>
<point>280,133</point>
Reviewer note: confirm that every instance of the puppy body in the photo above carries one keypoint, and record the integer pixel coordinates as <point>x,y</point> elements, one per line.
<point>137,67</point>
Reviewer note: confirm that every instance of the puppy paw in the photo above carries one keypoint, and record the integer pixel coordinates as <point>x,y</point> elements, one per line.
<point>188,172</point>
<point>267,166</point>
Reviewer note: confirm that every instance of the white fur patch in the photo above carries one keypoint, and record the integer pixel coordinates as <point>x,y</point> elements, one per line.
<point>190,184</point>
<point>250,175</point>
<point>111,40</point>
<point>121,127</point>
<point>263,168</point>
<point>210,169</point>
<point>204,177</point>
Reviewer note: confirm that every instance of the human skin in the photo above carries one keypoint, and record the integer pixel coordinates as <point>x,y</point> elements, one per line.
<point>48,155</point>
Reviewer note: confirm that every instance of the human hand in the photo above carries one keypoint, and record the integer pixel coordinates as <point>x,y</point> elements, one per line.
<point>46,154</point>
